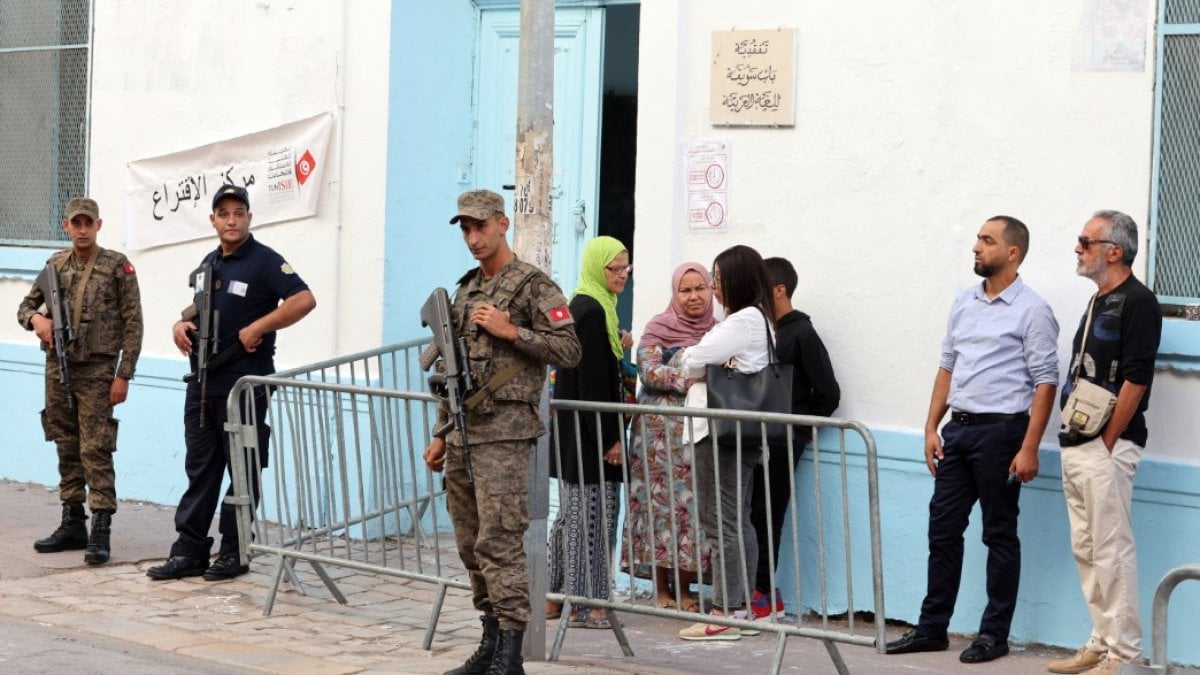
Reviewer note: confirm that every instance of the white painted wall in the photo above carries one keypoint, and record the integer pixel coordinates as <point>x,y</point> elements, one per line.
<point>171,75</point>
<point>915,122</point>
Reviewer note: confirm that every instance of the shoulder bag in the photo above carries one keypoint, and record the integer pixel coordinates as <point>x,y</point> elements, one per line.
<point>1089,405</point>
<point>768,390</point>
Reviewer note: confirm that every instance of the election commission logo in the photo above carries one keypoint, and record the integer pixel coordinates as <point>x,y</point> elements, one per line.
<point>305,166</point>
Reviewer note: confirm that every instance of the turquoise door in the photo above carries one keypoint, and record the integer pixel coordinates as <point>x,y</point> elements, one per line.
<point>578,58</point>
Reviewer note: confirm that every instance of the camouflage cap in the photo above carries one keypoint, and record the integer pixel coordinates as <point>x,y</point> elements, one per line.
<point>82,206</point>
<point>478,204</point>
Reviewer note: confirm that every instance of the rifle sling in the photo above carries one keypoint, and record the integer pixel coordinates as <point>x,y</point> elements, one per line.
<point>493,384</point>
<point>77,309</point>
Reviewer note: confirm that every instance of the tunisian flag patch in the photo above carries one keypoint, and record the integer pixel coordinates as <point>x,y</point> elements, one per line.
<point>559,315</point>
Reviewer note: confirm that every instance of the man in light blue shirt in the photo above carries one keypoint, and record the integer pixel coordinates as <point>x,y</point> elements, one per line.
<point>997,377</point>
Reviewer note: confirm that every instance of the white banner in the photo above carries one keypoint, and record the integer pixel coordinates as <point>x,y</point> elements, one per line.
<point>168,199</point>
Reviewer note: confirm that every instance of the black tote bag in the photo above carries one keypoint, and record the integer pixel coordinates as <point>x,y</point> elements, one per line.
<point>768,390</point>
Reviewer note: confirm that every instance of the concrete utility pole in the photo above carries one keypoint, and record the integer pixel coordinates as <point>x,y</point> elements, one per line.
<point>533,242</point>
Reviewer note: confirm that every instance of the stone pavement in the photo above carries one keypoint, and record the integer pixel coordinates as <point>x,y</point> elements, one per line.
<point>380,630</point>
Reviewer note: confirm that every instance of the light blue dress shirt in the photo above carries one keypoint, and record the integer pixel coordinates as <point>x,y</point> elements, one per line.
<point>998,350</point>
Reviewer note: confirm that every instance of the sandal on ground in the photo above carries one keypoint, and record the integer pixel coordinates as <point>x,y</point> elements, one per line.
<point>584,618</point>
<point>553,610</point>
<point>666,602</point>
<point>691,605</point>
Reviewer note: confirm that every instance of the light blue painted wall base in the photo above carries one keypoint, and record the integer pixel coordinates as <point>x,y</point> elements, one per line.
<point>150,451</point>
<point>1050,607</point>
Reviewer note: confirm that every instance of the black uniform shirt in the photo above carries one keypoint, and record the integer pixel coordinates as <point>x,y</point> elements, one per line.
<point>252,282</point>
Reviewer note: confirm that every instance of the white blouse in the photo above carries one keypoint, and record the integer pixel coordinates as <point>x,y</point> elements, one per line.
<point>742,337</point>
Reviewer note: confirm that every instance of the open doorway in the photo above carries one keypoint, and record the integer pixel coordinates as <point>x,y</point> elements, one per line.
<point>618,137</point>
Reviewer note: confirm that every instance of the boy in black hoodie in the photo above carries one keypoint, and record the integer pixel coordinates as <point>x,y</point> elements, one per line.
<point>815,391</point>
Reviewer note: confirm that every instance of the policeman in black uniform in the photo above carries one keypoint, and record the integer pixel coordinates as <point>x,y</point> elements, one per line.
<point>250,280</point>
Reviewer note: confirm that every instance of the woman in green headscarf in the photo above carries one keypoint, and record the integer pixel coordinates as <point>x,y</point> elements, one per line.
<point>588,449</point>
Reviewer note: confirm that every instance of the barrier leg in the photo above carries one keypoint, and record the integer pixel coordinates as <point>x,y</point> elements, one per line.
<point>836,656</point>
<point>561,633</point>
<point>435,613</point>
<point>276,577</point>
<point>619,631</point>
<point>780,644</point>
<point>289,568</point>
<point>329,582</point>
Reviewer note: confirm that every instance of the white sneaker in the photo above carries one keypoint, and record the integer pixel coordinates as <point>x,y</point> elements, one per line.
<point>747,616</point>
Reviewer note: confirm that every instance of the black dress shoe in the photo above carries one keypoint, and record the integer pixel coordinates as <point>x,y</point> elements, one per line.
<point>226,567</point>
<point>982,650</point>
<point>178,567</point>
<point>915,642</point>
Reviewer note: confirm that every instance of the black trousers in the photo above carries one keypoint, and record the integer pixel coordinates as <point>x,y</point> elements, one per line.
<point>975,468</point>
<point>778,471</point>
<point>207,463</point>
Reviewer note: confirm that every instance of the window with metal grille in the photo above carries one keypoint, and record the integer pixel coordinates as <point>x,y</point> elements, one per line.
<point>44,48</point>
<point>1174,267</point>
<point>1175,216</point>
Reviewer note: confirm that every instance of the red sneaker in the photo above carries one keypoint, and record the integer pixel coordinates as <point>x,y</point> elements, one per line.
<point>761,605</point>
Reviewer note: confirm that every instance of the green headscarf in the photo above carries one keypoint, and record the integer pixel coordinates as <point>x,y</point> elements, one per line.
<point>598,253</point>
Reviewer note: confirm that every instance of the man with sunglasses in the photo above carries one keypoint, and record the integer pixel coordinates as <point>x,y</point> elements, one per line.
<point>1116,351</point>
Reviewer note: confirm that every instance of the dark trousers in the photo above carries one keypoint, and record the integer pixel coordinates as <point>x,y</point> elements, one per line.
<point>207,463</point>
<point>975,467</point>
<point>778,470</point>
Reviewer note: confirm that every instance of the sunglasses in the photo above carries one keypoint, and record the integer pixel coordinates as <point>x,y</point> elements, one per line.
<point>1086,242</point>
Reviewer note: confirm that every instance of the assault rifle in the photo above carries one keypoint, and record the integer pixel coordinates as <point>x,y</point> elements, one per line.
<point>207,319</point>
<point>60,315</point>
<point>454,381</point>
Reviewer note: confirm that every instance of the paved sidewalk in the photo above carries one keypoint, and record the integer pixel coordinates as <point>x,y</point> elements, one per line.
<point>380,630</point>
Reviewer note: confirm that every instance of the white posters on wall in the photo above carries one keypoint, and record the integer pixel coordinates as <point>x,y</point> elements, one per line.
<point>708,184</point>
<point>168,199</point>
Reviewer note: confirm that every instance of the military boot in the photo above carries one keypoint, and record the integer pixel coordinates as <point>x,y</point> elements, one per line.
<point>508,660</point>
<point>70,535</point>
<point>97,544</point>
<point>482,658</point>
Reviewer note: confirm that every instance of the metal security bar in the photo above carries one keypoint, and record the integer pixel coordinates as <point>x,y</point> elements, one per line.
<point>1175,216</point>
<point>1159,663</point>
<point>845,527</point>
<point>344,485</point>
<point>44,48</point>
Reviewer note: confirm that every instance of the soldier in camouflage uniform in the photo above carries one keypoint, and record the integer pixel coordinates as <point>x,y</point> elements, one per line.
<point>107,321</point>
<point>515,320</point>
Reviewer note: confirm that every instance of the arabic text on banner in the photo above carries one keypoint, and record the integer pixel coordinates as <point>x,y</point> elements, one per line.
<point>168,199</point>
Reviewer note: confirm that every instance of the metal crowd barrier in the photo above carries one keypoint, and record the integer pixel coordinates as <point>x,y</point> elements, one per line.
<point>1159,662</point>
<point>345,486</point>
<point>853,514</point>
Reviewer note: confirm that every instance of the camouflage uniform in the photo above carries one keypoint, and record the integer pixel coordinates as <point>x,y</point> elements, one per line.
<point>106,344</point>
<point>491,516</point>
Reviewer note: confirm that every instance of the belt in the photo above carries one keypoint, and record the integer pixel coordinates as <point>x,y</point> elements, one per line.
<point>967,419</point>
